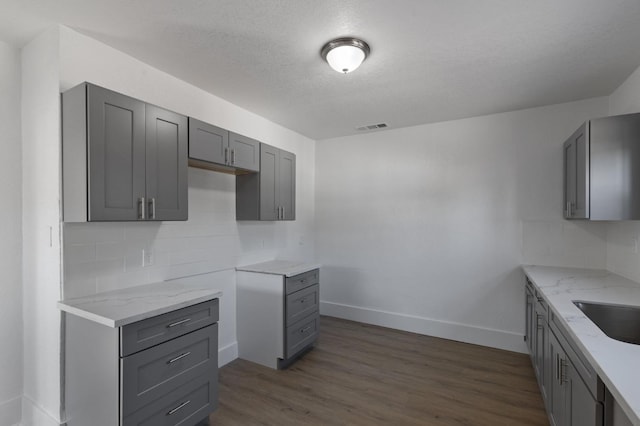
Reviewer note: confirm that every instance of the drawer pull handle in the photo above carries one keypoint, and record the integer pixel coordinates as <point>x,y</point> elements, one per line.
<point>179,357</point>
<point>538,323</point>
<point>303,300</point>
<point>304,330</point>
<point>178,408</point>
<point>177,323</point>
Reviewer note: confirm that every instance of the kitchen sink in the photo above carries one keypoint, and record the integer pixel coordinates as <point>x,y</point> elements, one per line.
<point>619,322</point>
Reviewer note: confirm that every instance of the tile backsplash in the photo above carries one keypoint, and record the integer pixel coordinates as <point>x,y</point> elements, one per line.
<point>107,256</point>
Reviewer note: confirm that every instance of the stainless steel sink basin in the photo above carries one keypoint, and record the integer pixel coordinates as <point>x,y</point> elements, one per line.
<point>616,321</point>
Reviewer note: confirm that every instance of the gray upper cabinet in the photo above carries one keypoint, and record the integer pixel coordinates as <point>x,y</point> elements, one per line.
<point>602,170</point>
<point>576,175</point>
<point>166,165</point>
<point>269,194</point>
<point>244,152</point>
<point>123,160</point>
<point>215,148</point>
<point>287,185</point>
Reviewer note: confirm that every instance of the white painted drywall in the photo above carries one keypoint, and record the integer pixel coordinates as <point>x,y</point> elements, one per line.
<point>425,228</point>
<point>100,257</point>
<point>10,237</point>
<point>40,229</point>
<point>623,238</point>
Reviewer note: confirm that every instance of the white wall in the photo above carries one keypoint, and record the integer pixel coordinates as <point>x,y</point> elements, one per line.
<point>10,237</point>
<point>100,257</point>
<point>425,228</point>
<point>622,253</point>
<point>40,230</point>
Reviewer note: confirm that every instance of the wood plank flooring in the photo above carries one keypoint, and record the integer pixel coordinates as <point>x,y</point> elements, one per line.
<point>359,374</point>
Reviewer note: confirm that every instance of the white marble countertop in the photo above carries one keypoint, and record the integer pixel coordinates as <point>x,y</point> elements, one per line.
<point>126,306</point>
<point>615,362</point>
<point>288,268</point>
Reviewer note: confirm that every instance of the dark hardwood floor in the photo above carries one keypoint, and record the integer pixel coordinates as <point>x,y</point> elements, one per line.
<point>359,374</point>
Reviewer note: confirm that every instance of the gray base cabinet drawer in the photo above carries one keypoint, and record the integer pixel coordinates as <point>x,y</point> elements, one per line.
<point>302,304</point>
<point>149,374</point>
<point>185,406</point>
<point>301,334</point>
<point>153,331</point>
<point>300,281</point>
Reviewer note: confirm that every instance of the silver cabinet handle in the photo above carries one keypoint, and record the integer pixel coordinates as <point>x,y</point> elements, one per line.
<point>179,357</point>
<point>233,157</point>
<point>303,300</point>
<point>175,324</point>
<point>178,408</point>
<point>304,330</point>
<point>152,208</point>
<point>538,318</point>
<point>563,374</point>
<point>141,206</point>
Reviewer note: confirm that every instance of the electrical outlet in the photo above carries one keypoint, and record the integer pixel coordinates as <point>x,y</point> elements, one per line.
<point>147,257</point>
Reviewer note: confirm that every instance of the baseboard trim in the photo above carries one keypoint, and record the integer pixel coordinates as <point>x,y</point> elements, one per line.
<point>34,415</point>
<point>227,354</point>
<point>427,326</point>
<point>11,411</point>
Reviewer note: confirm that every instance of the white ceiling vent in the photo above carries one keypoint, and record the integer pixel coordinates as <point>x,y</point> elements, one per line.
<point>372,127</point>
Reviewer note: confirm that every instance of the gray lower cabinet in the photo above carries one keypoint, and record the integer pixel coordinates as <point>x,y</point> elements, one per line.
<point>572,392</point>
<point>278,316</point>
<point>158,371</point>
<point>270,194</point>
<point>575,394</point>
<point>541,357</point>
<point>215,148</point>
<point>537,336</point>
<point>122,159</point>
<point>529,317</point>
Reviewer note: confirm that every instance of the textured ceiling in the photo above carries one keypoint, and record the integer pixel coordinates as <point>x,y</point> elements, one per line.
<point>431,60</point>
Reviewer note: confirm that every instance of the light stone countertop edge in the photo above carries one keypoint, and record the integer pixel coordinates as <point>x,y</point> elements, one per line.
<point>287,268</point>
<point>122,307</point>
<point>615,362</point>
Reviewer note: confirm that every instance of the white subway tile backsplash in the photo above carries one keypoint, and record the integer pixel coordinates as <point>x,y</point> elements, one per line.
<point>123,280</point>
<point>564,243</point>
<point>79,288</point>
<point>145,231</point>
<point>83,233</point>
<point>91,270</point>
<point>80,253</point>
<point>623,249</point>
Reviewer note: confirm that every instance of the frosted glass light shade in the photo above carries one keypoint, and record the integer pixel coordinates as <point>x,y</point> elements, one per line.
<point>345,58</point>
<point>345,54</point>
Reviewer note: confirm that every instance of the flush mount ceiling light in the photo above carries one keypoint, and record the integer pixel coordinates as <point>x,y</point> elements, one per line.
<point>345,54</point>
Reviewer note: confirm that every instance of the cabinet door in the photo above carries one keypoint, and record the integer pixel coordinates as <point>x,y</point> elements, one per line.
<point>208,143</point>
<point>576,174</point>
<point>287,185</point>
<point>116,155</point>
<point>268,182</point>
<point>244,152</point>
<point>582,409</point>
<point>556,391</point>
<point>541,347</point>
<point>529,314</point>
<point>166,165</point>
